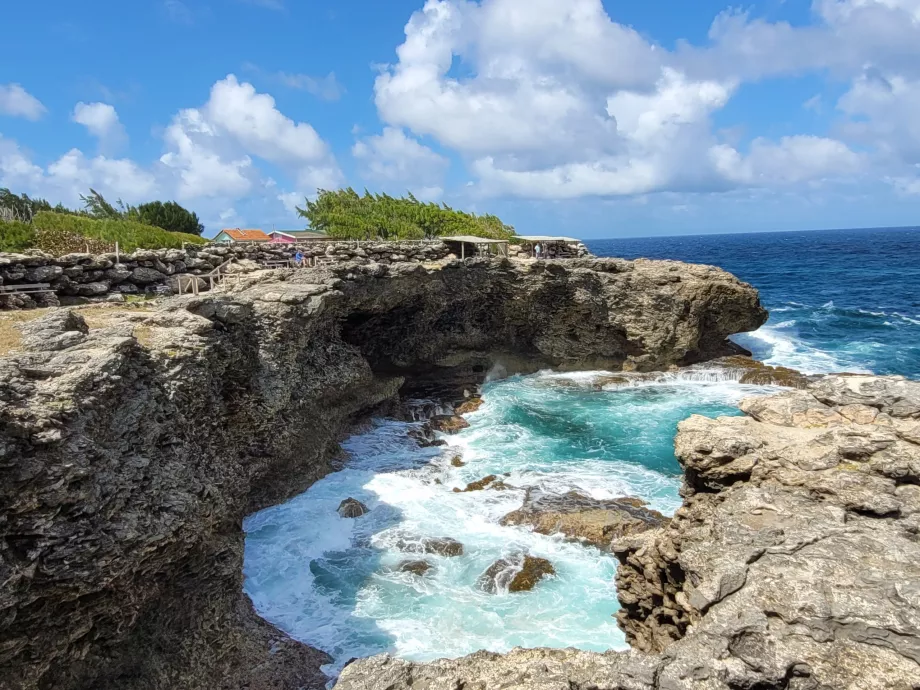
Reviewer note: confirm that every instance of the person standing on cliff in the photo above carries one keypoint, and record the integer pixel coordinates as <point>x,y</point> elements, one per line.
<point>537,250</point>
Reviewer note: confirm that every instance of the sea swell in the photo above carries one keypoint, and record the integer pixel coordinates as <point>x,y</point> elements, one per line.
<point>335,583</point>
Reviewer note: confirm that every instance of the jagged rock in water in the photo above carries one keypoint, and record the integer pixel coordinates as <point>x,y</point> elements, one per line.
<point>597,522</point>
<point>415,567</point>
<point>516,573</point>
<point>793,564</point>
<point>489,482</point>
<point>759,374</point>
<point>448,424</point>
<point>442,546</point>
<point>457,461</point>
<point>469,405</point>
<point>351,508</point>
<point>131,449</point>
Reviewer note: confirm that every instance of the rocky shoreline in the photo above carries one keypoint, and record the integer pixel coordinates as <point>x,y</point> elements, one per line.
<point>133,443</point>
<point>793,564</point>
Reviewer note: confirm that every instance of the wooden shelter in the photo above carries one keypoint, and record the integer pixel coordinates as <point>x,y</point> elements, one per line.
<point>469,245</point>
<point>553,247</point>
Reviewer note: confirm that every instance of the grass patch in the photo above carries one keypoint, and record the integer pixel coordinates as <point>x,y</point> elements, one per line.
<point>54,229</point>
<point>10,337</point>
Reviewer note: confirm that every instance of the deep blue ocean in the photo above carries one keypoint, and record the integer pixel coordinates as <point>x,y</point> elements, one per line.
<point>840,300</point>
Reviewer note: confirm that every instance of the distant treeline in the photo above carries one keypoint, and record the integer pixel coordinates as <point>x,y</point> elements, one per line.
<point>345,214</point>
<point>27,223</point>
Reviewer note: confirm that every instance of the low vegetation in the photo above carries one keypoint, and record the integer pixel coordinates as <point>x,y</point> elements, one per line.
<point>129,234</point>
<point>27,223</point>
<point>345,214</point>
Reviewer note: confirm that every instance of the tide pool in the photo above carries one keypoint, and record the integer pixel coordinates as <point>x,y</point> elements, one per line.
<point>334,583</point>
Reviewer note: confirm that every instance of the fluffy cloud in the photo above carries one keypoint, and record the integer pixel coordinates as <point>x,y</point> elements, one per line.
<point>211,158</point>
<point>17,102</point>
<point>101,120</point>
<point>211,148</point>
<point>557,100</point>
<point>73,174</point>
<point>400,162</point>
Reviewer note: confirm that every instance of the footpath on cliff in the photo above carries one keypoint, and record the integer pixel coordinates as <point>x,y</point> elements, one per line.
<point>132,446</point>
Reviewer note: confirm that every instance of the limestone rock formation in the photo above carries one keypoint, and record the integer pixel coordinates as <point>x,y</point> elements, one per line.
<point>132,447</point>
<point>596,522</point>
<point>490,481</point>
<point>470,405</point>
<point>448,424</point>
<point>793,564</point>
<point>516,573</point>
<point>352,508</point>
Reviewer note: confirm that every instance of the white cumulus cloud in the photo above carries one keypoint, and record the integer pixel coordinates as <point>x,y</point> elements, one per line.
<point>17,102</point>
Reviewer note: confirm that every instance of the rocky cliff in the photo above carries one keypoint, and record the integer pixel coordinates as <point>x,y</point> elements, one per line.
<point>134,441</point>
<point>794,563</point>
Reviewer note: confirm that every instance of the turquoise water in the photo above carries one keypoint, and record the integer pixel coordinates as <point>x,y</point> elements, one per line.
<point>333,582</point>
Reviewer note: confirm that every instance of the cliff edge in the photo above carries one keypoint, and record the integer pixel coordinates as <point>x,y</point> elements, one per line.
<point>134,441</point>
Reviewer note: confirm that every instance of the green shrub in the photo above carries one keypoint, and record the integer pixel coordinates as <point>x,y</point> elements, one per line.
<point>345,214</point>
<point>129,234</point>
<point>16,236</point>
<point>169,216</point>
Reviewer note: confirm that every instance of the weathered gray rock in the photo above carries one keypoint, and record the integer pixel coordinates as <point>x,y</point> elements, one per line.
<point>415,567</point>
<point>441,546</point>
<point>143,276</point>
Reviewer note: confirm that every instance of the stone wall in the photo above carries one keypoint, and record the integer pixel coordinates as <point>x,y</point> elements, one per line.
<point>152,271</point>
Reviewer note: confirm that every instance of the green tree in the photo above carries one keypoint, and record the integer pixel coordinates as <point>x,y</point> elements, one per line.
<point>345,214</point>
<point>168,216</point>
<point>96,206</point>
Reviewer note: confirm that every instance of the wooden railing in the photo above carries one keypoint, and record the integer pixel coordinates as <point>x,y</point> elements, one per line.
<point>189,283</point>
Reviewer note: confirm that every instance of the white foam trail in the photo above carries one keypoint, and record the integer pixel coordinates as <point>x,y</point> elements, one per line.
<point>335,583</point>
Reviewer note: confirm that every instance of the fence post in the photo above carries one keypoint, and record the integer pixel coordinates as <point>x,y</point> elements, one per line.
<point>117,255</point>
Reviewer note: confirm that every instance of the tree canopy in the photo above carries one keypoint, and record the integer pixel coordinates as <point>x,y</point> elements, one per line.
<point>168,216</point>
<point>345,214</point>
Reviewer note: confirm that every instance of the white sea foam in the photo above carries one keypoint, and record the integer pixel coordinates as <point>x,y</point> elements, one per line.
<point>335,583</point>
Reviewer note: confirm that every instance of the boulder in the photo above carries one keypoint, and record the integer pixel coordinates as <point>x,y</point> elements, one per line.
<point>43,274</point>
<point>595,521</point>
<point>468,406</point>
<point>457,461</point>
<point>144,276</point>
<point>351,508</point>
<point>448,423</point>
<point>516,573</point>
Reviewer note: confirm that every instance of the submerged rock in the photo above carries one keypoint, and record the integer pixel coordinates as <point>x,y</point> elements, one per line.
<point>415,567</point>
<point>442,546</point>
<point>489,482</point>
<point>351,508</point>
<point>457,461</point>
<point>597,522</point>
<point>448,423</point>
<point>517,573</point>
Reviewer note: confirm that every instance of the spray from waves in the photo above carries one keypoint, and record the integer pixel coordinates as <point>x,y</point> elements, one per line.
<point>337,584</point>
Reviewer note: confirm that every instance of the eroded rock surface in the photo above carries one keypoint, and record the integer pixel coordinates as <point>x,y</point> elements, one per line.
<point>131,450</point>
<point>794,563</point>
<point>596,522</point>
<point>352,508</point>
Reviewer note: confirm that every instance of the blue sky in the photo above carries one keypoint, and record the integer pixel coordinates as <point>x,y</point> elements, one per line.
<point>594,119</point>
